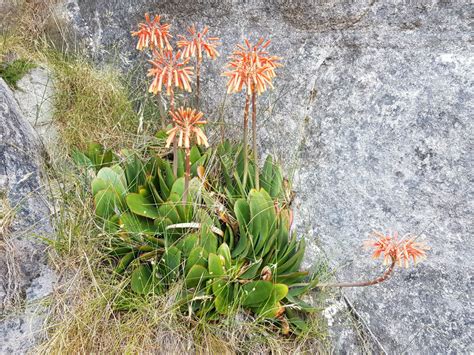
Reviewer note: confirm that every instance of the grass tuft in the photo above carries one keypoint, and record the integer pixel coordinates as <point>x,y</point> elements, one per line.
<point>92,104</point>
<point>13,72</point>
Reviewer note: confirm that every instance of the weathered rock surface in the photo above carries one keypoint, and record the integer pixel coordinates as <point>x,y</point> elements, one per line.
<point>25,277</point>
<point>35,98</point>
<point>373,114</point>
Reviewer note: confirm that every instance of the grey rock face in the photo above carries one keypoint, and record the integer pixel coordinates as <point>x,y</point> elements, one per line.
<point>372,116</point>
<point>35,98</point>
<point>24,275</point>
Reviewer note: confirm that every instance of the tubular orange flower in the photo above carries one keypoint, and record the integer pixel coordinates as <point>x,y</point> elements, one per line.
<point>251,66</point>
<point>198,43</point>
<point>153,34</point>
<point>187,123</point>
<point>395,250</point>
<point>170,70</point>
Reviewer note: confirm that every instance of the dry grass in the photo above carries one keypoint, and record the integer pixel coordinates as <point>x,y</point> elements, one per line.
<point>8,257</point>
<point>92,105</point>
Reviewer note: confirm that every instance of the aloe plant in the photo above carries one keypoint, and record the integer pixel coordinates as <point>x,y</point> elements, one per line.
<point>232,245</point>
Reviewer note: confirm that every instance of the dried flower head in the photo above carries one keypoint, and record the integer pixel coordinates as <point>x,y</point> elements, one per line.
<point>187,122</point>
<point>153,34</point>
<point>171,70</point>
<point>198,43</point>
<point>251,66</point>
<point>397,250</point>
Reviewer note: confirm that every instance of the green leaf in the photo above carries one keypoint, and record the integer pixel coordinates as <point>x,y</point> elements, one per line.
<point>107,203</point>
<point>197,256</point>
<point>178,187</point>
<point>279,292</point>
<point>242,213</point>
<point>297,323</point>
<point>268,310</point>
<point>215,265</point>
<point>256,293</point>
<point>223,299</point>
<point>293,263</point>
<point>262,215</point>
<point>277,183</point>
<point>224,251</point>
<point>197,275</point>
<point>168,210</point>
<point>124,262</point>
<point>293,277</point>
<point>141,206</point>
<point>134,173</point>
<point>81,159</point>
<point>301,305</point>
<point>113,177</point>
<point>133,223</point>
<point>171,261</point>
<point>187,244</point>
<point>195,154</point>
<point>164,189</point>
<point>250,271</point>
<point>267,173</point>
<point>142,280</point>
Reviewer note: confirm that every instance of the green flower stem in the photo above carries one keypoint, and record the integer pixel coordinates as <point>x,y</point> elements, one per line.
<point>245,147</point>
<point>254,138</point>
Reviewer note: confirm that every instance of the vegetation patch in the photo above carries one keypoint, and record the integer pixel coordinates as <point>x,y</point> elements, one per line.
<point>13,71</point>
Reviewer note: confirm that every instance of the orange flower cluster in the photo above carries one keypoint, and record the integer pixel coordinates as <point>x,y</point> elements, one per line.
<point>153,34</point>
<point>170,70</point>
<point>187,123</point>
<point>395,250</point>
<point>198,44</point>
<point>251,66</point>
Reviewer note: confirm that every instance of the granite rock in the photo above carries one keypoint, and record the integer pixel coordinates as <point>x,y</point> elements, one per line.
<point>372,118</point>
<point>25,277</point>
<point>35,97</point>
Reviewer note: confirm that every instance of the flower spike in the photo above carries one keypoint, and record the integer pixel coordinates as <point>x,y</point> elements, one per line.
<point>153,34</point>
<point>252,67</point>
<point>170,70</point>
<point>187,122</point>
<point>198,43</point>
<point>396,250</point>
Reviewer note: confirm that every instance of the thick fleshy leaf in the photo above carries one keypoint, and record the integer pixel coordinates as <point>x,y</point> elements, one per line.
<point>142,206</point>
<point>197,275</point>
<point>107,203</point>
<point>142,280</point>
<point>256,293</point>
<point>250,271</point>
<point>133,223</point>
<point>224,251</point>
<point>197,256</point>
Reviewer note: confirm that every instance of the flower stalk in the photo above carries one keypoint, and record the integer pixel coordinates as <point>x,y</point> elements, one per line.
<point>198,80</point>
<point>254,139</point>
<point>194,46</point>
<point>384,277</point>
<point>394,251</point>
<point>187,124</point>
<point>252,69</point>
<point>245,140</point>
